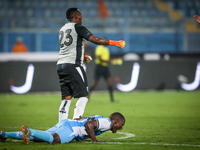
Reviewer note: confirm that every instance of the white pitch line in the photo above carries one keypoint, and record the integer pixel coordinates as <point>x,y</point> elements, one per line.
<point>121,143</point>
<point>127,135</point>
<point>162,144</point>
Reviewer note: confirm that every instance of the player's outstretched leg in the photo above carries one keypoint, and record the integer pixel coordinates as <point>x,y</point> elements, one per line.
<point>2,136</point>
<point>12,135</point>
<point>40,135</point>
<point>26,134</point>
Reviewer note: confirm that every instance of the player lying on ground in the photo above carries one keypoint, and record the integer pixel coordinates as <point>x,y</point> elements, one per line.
<point>67,130</point>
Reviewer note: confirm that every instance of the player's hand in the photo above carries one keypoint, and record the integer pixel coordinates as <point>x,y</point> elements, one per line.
<point>197,18</point>
<point>87,58</point>
<point>121,44</point>
<point>100,141</point>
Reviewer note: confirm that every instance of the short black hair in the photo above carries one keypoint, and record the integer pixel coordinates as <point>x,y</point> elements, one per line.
<point>71,12</point>
<point>117,116</point>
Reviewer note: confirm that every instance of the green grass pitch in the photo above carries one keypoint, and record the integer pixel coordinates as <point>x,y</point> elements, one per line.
<point>159,120</point>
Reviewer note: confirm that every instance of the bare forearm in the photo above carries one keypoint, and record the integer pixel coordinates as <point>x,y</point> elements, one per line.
<point>90,130</point>
<point>99,57</point>
<point>98,40</point>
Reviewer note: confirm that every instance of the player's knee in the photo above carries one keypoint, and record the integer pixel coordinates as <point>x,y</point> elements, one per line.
<point>68,97</point>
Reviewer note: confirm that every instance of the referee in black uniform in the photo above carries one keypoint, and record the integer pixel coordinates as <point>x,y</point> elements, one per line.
<point>102,59</point>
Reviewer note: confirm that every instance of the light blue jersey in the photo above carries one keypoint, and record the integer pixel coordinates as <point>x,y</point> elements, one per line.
<point>68,129</point>
<point>104,124</point>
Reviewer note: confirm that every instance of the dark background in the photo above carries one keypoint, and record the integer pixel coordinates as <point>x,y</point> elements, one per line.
<point>157,75</point>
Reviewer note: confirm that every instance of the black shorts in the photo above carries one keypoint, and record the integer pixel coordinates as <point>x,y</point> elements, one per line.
<point>73,80</point>
<point>101,71</point>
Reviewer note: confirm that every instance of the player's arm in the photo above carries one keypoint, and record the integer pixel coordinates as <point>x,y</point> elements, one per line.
<point>99,57</point>
<point>114,61</point>
<point>90,127</point>
<point>100,41</point>
<point>197,18</point>
<point>86,34</point>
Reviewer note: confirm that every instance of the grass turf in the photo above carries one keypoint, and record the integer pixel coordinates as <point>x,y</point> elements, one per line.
<point>159,120</point>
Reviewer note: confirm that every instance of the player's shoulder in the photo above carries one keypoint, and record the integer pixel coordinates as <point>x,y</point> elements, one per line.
<point>103,123</point>
<point>67,25</point>
<point>80,27</point>
<point>94,117</point>
<point>97,117</point>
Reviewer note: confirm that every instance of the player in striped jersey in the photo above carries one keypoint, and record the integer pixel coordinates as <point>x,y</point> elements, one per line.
<point>67,130</point>
<point>73,80</point>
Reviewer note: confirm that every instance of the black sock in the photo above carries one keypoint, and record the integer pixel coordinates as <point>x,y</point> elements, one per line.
<point>110,89</point>
<point>90,90</point>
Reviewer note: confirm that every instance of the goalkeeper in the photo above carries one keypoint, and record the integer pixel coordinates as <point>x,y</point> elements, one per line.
<point>73,80</point>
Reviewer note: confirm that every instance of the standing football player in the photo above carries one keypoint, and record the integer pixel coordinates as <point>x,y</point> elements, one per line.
<point>73,80</point>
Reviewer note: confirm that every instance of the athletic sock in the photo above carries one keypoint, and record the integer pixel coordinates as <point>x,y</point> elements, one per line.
<point>64,109</point>
<point>91,89</point>
<point>80,107</point>
<point>16,135</point>
<point>42,135</point>
<point>110,89</point>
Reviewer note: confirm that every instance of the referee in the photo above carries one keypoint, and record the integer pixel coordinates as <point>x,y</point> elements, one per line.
<point>102,56</point>
<point>72,77</point>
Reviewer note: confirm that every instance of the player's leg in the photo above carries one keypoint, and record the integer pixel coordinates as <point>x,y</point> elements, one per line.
<point>42,135</point>
<point>97,75</point>
<point>80,107</point>
<point>108,79</point>
<point>12,135</point>
<point>66,92</point>
<point>94,84</point>
<point>64,134</point>
<point>110,88</point>
<point>80,91</point>
<point>64,108</point>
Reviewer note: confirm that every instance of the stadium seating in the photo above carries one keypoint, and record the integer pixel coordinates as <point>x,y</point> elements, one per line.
<point>187,8</point>
<point>48,16</point>
<point>54,10</point>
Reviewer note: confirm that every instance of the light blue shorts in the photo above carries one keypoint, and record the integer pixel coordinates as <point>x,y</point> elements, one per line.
<point>64,130</point>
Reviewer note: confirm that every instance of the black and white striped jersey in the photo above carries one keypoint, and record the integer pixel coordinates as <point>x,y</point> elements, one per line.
<point>71,38</point>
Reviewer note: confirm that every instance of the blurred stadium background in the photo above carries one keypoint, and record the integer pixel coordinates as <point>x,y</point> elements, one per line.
<point>161,36</point>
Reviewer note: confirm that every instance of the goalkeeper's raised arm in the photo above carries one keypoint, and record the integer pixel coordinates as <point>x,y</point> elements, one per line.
<point>100,41</point>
